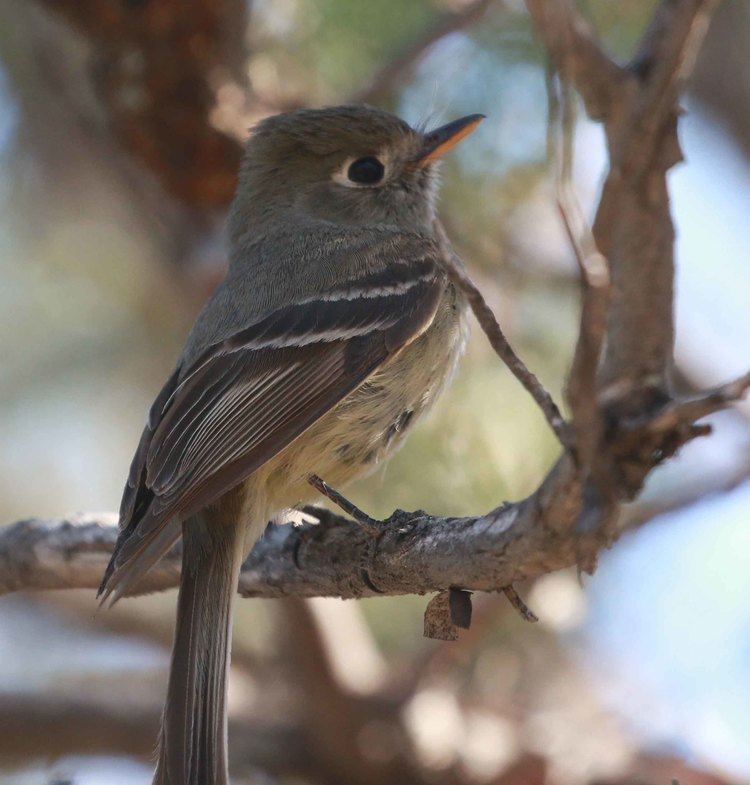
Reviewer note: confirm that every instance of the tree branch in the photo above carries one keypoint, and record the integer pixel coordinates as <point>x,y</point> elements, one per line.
<point>571,43</point>
<point>596,290</point>
<point>633,228</point>
<point>695,407</point>
<point>487,321</point>
<point>664,61</point>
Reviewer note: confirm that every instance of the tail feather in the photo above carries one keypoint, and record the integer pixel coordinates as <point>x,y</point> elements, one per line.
<point>193,740</point>
<point>125,571</point>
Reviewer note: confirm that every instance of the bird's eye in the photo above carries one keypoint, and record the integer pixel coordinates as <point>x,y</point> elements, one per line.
<point>366,171</point>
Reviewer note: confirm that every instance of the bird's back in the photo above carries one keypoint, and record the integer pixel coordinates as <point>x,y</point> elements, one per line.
<point>294,264</point>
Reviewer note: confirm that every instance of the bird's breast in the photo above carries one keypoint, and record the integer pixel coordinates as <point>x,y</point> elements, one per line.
<point>371,423</point>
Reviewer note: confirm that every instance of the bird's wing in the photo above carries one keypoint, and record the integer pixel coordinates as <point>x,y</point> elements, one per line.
<point>247,397</point>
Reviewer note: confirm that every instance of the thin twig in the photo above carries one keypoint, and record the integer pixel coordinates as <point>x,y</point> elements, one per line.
<point>498,341</point>
<point>343,503</point>
<point>688,410</point>
<point>523,609</point>
<point>582,388</point>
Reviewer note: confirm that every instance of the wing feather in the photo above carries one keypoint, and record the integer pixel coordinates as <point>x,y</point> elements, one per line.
<point>249,396</point>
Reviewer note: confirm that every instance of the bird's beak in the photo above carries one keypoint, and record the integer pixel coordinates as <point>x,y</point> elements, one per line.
<point>439,141</point>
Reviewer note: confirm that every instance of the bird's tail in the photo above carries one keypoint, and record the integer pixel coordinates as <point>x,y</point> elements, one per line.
<point>193,738</point>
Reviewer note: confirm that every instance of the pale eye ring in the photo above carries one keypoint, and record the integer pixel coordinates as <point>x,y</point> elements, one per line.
<point>368,170</point>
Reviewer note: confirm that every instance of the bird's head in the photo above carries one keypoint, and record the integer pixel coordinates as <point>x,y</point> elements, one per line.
<point>347,164</point>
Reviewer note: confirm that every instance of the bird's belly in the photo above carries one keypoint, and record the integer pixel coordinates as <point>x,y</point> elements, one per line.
<point>370,424</point>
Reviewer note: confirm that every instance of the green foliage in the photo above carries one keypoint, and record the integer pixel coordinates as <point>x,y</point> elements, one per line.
<point>325,49</point>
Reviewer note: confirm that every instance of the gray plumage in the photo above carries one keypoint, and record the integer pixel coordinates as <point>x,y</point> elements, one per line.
<point>334,329</point>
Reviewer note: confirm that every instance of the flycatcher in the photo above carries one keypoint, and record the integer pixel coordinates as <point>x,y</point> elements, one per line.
<point>334,330</point>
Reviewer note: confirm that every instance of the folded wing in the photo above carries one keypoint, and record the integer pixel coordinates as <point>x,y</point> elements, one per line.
<point>249,396</point>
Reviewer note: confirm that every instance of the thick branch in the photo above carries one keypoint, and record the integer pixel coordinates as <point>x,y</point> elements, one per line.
<point>664,61</point>
<point>633,227</point>
<point>39,554</point>
<point>415,554</point>
<point>572,46</point>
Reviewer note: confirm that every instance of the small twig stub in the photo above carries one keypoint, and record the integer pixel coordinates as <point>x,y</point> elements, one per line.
<point>344,504</point>
<point>523,609</point>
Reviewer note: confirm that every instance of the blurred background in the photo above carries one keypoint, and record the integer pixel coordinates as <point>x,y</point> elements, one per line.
<point>119,129</point>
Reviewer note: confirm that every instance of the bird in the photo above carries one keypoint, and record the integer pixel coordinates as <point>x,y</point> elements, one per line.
<point>334,330</point>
